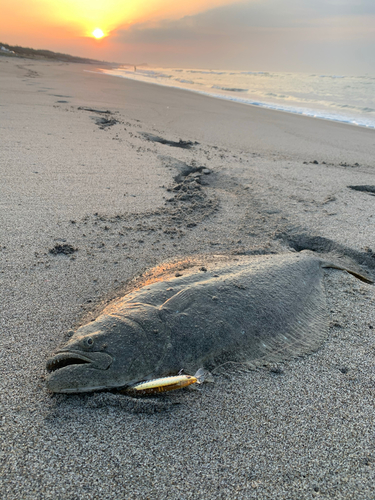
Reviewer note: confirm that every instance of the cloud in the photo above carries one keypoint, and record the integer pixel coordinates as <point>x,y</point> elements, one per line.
<point>237,19</point>
<point>273,34</point>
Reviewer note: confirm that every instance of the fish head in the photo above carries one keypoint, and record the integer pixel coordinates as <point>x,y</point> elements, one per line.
<point>107,353</point>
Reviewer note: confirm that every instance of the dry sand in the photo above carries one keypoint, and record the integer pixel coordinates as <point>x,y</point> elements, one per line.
<point>90,183</point>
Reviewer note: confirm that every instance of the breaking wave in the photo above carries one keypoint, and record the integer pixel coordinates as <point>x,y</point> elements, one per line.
<point>342,98</point>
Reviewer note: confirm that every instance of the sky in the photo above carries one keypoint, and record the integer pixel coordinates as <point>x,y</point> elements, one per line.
<point>331,36</point>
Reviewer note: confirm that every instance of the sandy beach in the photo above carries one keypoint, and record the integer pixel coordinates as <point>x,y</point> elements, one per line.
<point>89,198</point>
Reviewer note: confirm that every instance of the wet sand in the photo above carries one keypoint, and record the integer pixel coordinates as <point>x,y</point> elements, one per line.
<point>103,178</point>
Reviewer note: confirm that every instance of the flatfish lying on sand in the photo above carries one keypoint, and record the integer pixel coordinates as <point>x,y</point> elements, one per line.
<point>244,310</point>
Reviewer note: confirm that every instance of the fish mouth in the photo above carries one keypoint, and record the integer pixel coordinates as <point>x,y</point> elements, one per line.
<point>61,360</point>
<point>71,371</point>
<point>64,359</point>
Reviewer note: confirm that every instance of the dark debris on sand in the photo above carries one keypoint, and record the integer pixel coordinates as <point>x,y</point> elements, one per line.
<point>180,144</point>
<point>105,112</point>
<point>102,121</point>
<point>64,249</point>
<point>105,122</point>
<point>365,189</point>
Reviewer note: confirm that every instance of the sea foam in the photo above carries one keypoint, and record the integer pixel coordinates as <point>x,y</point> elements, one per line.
<point>341,98</point>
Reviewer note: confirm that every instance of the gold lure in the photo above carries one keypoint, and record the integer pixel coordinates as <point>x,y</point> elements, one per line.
<point>168,383</point>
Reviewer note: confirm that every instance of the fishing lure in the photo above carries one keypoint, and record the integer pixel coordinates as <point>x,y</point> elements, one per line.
<point>168,383</point>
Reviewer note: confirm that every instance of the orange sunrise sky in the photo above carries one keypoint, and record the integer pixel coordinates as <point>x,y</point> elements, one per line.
<point>278,35</point>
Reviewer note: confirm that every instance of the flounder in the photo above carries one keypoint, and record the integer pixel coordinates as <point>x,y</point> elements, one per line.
<point>247,310</point>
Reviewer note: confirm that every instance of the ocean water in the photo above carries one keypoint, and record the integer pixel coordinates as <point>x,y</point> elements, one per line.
<point>342,98</point>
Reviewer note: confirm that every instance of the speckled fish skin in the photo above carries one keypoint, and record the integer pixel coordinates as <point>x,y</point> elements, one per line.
<point>256,309</point>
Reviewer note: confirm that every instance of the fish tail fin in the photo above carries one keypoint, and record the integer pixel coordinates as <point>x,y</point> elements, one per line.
<point>353,272</point>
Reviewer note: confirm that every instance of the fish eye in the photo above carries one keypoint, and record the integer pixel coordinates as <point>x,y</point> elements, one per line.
<point>89,341</point>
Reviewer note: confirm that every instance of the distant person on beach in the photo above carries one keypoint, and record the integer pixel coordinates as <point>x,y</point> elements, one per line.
<point>135,68</point>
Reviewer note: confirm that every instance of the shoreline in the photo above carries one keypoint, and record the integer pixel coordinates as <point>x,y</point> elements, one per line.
<point>93,194</point>
<point>301,111</point>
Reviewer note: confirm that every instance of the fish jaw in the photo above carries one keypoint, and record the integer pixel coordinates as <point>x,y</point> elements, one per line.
<point>72,371</point>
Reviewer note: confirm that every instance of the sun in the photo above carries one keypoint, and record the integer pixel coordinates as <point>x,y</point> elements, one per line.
<point>97,33</point>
